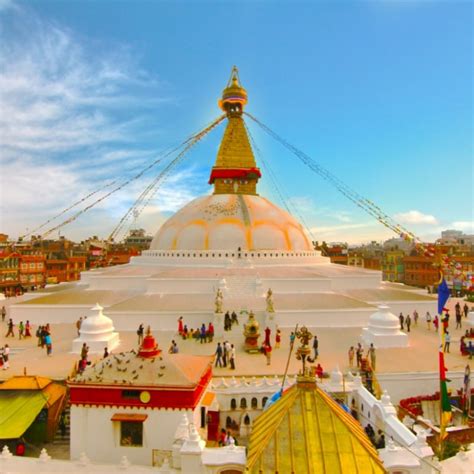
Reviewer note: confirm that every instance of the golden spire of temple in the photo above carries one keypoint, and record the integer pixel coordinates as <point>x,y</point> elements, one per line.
<point>235,170</point>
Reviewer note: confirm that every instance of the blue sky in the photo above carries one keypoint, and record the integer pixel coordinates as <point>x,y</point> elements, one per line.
<point>380,93</point>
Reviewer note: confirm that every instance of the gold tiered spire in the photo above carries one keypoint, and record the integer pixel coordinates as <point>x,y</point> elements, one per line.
<point>235,170</point>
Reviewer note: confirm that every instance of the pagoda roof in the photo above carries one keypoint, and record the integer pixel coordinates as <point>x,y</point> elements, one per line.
<point>306,431</point>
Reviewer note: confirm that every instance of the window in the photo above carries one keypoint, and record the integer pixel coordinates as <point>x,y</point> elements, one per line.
<point>254,403</point>
<point>233,404</point>
<point>264,401</point>
<point>246,420</point>
<point>243,403</point>
<point>131,433</point>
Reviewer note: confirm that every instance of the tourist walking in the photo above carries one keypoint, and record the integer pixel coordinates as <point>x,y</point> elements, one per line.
<point>359,354</point>
<point>180,326</point>
<point>210,332</point>
<point>447,341</point>
<point>218,354</point>
<point>21,330</point>
<point>428,320</point>
<point>49,344</point>
<point>277,339</point>
<point>268,332</point>
<point>408,322</point>
<point>268,353</point>
<point>140,332</point>
<point>292,338</point>
<point>10,328</point>
<point>232,357</point>
<point>202,335</point>
<point>371,354</point>
<point>106,353</point>
<point>436,323</point>
<point>234,318</point>
<point>4,313</point>
<point>351,354</point>
<point>78,326</point>
<point>401,319</point>
<point>27,329</point>
<point>5,355</point>
<point>415,317</point>
<point>319,372</point>
<point>458,320</point>
<point>465,310</point>
<point>315,347</point>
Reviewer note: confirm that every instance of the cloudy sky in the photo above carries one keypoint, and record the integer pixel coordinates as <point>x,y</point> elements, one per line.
<point>379,93</point>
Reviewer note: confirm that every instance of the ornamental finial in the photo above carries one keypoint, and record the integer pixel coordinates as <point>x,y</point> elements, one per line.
<point>234,96</point>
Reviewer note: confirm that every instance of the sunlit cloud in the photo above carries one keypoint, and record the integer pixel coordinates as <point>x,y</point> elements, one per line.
<point>415,217</point>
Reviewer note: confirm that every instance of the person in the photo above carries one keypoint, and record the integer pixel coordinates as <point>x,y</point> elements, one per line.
<point>180,326</point>
<point>218,355</point>
<point>371,354</point>
<point>268,331</point>
<point>428,320</point>
<point>38,334</point>
<point>49,344</point>
<point>4,313</point>
<point>447,341</point>
<point>277,339</point>
<point>359,354</point>
<point>229,439</point>
<point>232,357</point>
<point>457,307</point>
<point>234,318</point>
<point>210,332</point>
<point>184,334</point>
<point>436,323</point>
<point>140,332</point>
<point>380,444</point>
<point>10,328</point>
<point>84,351</point>
<point>408,322</point>
<point>470,349</point>
<point>267,350</point>
<point>351,354</point>
<point>171,348</point>
<point>227,322</point>
<point>315,347</point>
<point>319,371</point>
<point>401,319</point>
<point>465,310</point>
<point>225,353</point>
<point>78,326</point>
<point>222,437</point>
<point>21,330</point>
<point>458,320</point>
<point>202,335</point>
<point>292,338</point>
<point>6,357</point>
<point>106,352</point>
<point>27,329</point>
<point>175,348</point>
<point>415,317</point>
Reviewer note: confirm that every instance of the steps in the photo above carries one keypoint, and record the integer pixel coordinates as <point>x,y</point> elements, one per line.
<point>60,440</point>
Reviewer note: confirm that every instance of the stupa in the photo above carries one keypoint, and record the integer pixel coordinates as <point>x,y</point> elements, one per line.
<point>234,240</point>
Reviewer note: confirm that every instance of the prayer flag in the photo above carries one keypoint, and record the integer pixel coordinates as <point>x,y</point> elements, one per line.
<point>444,401</point>
<point>443,295</point>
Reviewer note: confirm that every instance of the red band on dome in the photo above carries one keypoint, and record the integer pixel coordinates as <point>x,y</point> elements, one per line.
<point>250,173</point>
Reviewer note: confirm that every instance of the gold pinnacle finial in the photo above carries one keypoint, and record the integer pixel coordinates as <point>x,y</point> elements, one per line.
<point>234,96</point>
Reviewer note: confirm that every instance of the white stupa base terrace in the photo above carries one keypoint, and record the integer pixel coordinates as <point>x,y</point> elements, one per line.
<point>159,286</point>
<point>96,346</point>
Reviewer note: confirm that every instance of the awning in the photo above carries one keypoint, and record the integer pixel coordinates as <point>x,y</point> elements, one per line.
<point>129,417</point>
<point>18,410</point>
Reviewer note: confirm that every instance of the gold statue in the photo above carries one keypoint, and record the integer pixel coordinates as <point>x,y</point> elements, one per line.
<point>303,350</point>
<point>269,298</point>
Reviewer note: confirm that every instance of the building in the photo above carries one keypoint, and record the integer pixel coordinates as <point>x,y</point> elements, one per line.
<point>393,265</point>
<point>9,272</point>
<point>138,240</point>
<point>32,270</point>
<point>66,269</point>
<point>148,406</point>
<point>235,241</point>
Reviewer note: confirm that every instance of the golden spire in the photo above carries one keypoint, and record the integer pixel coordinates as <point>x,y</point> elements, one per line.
<point>235,170</point>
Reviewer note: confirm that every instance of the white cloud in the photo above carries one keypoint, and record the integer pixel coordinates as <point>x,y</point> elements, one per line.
<point>415,217</point>
<point>73,119</point>
<point>465,226</point>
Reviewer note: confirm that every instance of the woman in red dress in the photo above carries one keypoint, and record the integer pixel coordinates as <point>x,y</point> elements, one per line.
<point>27,329</point>
<point>180,326</point>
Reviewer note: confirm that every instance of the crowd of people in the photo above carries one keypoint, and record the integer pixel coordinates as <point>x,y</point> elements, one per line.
<point>203,334</point>
<point>225,355</point>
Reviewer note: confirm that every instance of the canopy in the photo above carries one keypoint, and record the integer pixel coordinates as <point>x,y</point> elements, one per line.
<point>18,410</point>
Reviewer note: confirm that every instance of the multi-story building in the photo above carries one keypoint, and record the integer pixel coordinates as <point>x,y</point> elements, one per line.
<point>32,270</point>
<point>66,269</point>
<point>420,271</point>
<point>9,272</point>
<point>137,239</point>
<point>355,258</point>
<point>393,268</point>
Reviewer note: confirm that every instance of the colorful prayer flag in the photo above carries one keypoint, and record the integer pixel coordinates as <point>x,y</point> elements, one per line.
<point>443,295</point>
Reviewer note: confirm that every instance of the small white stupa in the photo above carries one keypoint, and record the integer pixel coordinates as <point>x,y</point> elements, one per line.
<point>384,330</point>
<point>97,332</point>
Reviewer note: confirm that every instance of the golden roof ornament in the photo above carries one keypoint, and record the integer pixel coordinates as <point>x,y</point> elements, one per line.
<point>304,349</point>
<point>234,96</point>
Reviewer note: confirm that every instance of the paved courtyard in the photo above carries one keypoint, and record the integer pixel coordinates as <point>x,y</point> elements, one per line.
<point>334,343</point>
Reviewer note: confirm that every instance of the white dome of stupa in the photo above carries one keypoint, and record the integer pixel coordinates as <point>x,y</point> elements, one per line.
<point>97,324</point>
<point>230,221</point>
<point>384,329</point>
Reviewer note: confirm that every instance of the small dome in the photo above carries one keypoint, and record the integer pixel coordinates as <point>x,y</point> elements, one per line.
<point>383,319</point>
<point>97,324</point>
<point>230,221</point>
